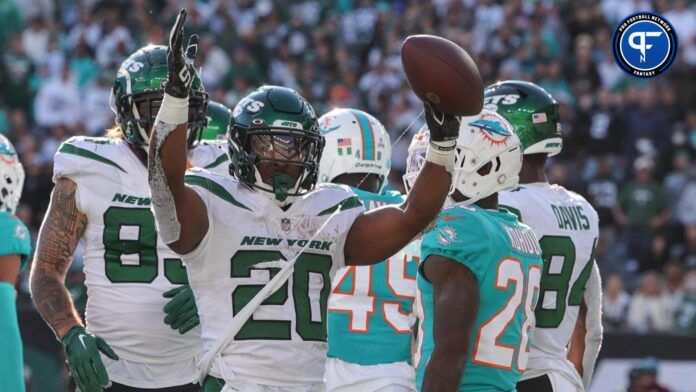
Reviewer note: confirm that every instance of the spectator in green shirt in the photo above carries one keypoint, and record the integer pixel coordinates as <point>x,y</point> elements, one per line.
<point>686,315</point>
<point>642,210</point>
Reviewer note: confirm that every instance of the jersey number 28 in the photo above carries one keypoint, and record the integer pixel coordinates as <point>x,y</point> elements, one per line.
<point>488,350</point>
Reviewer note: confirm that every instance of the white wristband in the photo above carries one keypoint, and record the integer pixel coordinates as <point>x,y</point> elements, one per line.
<point>173,110</point>
<point>441,153</point>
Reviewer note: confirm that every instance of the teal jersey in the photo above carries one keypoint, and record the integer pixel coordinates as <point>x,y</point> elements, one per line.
<point>370,312</point>
<point>14,237</point>
<point>504,256</point>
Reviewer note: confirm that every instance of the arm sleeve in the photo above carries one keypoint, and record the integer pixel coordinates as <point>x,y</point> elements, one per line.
<point>593,325</point>
<point>12,369</point>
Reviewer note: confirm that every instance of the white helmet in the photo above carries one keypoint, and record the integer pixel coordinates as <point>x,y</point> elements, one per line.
<point>486,139</point>
<point>11,176</point>
<point>356,142</point>
<point>416,156</point>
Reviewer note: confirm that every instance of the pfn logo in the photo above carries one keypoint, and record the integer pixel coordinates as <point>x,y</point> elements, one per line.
<point>644,44</point>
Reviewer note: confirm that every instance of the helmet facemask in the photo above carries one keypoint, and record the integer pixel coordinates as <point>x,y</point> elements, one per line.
<point>11,177</point>
<point>415,160</point>
<point>475,179</point>
<point>261,151</point>
<point>136,114</point>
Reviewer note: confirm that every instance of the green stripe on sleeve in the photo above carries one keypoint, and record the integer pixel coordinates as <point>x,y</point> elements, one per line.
<point>81,152</point>
<point>214,188</point>
<point>222,158</point>
<point>346,204</point>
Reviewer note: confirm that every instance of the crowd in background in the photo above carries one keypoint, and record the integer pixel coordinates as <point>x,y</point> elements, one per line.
<point>629,143</point>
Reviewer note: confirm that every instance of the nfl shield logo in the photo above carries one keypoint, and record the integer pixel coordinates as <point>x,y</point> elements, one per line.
<point>285,224</point>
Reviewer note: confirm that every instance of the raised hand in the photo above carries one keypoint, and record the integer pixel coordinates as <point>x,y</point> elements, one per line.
<point>443,127</point>
<point>180,63</point>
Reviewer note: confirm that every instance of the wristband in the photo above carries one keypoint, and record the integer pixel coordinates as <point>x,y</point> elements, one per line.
<point>173,111</point>
<point>441,153</point>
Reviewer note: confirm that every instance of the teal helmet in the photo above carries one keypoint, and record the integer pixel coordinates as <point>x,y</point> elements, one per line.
<point>217,119</point>
<point>137,94</point>
<point>276,125</point>
<point>532,112</point>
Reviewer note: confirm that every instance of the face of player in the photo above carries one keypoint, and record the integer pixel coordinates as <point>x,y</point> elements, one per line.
<point>278,154</point>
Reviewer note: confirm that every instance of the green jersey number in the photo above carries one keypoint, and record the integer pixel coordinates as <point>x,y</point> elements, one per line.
<point>311,272</point>
<point>130,231</point>
<point>559,283</point>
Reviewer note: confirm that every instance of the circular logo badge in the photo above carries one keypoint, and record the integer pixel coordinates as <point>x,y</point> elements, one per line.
<point>644,44</point>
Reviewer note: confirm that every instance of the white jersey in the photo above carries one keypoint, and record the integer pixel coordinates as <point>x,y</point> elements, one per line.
<point>567,228</point>
<point>126,266</point>
<point>248,240</point>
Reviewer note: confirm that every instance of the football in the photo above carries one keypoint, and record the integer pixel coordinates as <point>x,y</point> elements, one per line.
<point>442,73</point>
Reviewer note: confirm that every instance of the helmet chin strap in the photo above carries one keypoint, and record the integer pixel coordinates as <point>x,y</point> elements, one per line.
<point>282,184</point>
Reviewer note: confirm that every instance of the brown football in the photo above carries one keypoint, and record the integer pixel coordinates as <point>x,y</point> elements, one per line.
<point>443,73</point>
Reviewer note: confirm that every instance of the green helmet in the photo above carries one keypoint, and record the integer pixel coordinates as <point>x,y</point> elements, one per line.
<point>218,118</point>
<point>137,94</point>
<point>532,112</point>
<point>269,123</point>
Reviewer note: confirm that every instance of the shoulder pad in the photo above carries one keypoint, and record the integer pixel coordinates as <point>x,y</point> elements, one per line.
<point>225,187</point>
<point>210,155</point>
<point>328,198</point>
<point>16,237</point>
<point>81,154</point>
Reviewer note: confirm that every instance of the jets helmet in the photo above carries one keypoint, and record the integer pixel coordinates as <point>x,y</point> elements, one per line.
<point>488,157</point>
<point>137,94</point>
<point>217,120</point>
<point>356,142</point>
<point>532,112</point>
<point>11,177</point>
<point>275,125</point>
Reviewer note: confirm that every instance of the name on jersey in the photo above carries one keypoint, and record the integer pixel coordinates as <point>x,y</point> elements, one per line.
<point>134,200</point>
<point>523,240</point>
<point>265,241</point>
<point>571,217</point>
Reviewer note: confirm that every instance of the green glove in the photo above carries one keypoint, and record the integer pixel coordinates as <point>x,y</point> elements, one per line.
<point>181,311</point>
<point>82,351</point>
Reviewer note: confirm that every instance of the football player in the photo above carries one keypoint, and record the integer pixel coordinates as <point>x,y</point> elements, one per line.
<point>218,118</point>
<point>567,227</point>
<point>15,247</point>
<point>370,312</point>
<point>237,232</point>
<point>479,279</point>
<point>101,197</point>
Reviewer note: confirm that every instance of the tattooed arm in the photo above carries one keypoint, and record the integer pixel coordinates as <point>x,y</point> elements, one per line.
<point>60,232</point>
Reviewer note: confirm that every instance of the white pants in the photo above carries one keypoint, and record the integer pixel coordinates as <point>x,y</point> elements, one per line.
<point>343,376</point>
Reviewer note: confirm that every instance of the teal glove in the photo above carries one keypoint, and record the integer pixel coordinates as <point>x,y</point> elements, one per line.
<point>181,311</point>
<point>82,351</point>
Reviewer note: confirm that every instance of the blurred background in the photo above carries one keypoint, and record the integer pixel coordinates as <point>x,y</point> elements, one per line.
<point>629,143</point>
